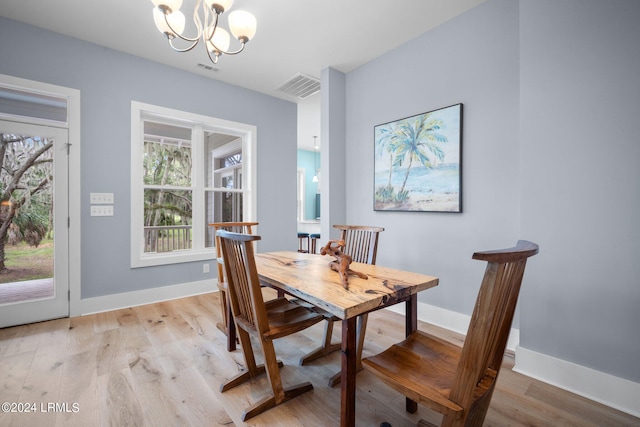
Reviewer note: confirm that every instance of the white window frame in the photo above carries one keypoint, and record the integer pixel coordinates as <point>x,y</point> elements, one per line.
<point>234,171</point>
<point>248,137</point>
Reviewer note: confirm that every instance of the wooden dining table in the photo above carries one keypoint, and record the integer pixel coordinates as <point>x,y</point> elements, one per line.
<point>309,277</point>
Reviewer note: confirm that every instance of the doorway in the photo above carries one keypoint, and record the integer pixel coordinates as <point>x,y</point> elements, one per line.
<point>34,215</point>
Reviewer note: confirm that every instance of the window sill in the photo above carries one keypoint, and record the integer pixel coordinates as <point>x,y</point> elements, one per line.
<point>151,260</point>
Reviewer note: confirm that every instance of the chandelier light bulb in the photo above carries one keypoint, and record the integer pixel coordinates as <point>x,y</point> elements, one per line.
<point>242,25</point>
<point>174,5</point>
<point>220,40</point>
<point>176,20</point>
<point>220,5</point>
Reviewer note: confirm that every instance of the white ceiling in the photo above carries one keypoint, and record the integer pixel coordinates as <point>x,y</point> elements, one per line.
<point>293,36</point>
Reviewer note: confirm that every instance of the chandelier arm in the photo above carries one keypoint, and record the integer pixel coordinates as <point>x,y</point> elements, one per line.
<point>209,39</point>
<point>232,53</point>
<point>182,50</point>
<point>197,21</point>
<point>213,58</point>
<point>214,24</point>
<point>177,34</point>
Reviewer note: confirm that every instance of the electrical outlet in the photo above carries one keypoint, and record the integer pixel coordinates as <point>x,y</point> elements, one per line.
<point>205,268</point>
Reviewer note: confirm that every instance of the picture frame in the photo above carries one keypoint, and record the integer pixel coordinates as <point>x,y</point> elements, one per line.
<point>418,162</point>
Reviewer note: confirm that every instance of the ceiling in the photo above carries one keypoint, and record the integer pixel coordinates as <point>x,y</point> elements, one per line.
<point>293,36</point>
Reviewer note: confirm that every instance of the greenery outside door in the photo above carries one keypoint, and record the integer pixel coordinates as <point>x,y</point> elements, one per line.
<point>38,207</point>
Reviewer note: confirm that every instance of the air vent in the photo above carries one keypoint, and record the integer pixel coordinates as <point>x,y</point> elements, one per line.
<point>208,67</point>
<point>301,86</point>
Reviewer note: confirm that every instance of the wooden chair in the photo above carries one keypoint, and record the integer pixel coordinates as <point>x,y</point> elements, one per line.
<point>227,326</point>
<point>361,243</point>
<point>459,382</point>
<point>263,321</point>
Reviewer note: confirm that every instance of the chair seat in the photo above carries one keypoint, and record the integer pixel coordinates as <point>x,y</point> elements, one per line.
<point>286,317</point>
<point>422,368</point>
<point>309,306</point>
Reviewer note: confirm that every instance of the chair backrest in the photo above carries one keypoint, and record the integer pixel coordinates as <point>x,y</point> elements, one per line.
<point>235,227</point>
<point>244,289</point>
<point>361,242</point>
<point>489,328</point>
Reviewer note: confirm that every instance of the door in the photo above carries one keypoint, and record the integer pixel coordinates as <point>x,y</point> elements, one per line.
<point>39,210</point>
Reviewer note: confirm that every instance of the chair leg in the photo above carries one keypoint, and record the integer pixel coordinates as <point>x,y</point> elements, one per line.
<point>228,326</point>
<point>279,394</point>
<point>253,370</point>
<point>360,331</point>
<point>223,309</point>
<point>231,329</point>
<point>270,401</point>
<point>325,348</point>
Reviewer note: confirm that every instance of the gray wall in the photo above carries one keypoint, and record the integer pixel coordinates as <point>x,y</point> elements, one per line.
<point>550,154</point>
<point>109,81</point>
<point>474,60</point>
<point>580,136</point>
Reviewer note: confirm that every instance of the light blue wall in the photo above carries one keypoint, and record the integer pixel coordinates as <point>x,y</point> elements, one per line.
<point>309,161</point>
<point>550,154</point>
<point>109,81</point>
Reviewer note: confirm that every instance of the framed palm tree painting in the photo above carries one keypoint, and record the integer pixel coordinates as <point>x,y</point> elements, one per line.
<point>418,162</point>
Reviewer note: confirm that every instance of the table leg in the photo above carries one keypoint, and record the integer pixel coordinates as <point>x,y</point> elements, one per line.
<point>361,326</point>
<point>411,319</point>
<point>349,368</point>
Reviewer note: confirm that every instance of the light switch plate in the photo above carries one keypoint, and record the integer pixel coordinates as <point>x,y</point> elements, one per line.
<point>102,210</point>
<point>101,198</point>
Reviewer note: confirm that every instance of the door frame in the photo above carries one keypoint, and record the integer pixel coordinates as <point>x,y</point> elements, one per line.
<point>74,187</point>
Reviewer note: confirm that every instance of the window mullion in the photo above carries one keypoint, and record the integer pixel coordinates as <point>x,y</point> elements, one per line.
<point>197,180</point>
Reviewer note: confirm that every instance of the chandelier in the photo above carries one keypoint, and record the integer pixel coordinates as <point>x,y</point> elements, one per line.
<point>171,22</point>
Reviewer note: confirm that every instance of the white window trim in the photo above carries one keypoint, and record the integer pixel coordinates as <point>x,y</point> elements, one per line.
<point>248,136</point>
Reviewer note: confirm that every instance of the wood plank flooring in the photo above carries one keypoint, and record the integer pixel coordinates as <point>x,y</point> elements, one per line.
<point>162,365</point>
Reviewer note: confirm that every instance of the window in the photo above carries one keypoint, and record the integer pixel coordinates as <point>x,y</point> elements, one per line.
<point>187,171</point>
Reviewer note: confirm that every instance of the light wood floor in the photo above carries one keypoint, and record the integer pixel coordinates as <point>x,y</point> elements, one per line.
<point>162,364</point>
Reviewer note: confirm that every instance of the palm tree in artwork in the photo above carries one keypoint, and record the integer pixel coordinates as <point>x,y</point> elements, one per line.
<point>384,139</point>
<point>416,139</point>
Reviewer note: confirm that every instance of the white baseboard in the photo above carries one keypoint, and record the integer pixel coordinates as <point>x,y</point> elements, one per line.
<point>607,389</point>
<point>146,296</point>
<point>604,388</point>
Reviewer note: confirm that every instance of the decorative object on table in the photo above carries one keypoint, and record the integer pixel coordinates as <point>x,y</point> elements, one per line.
<point>418,162</point>
<point>342,262</point>
<point>361,244</point>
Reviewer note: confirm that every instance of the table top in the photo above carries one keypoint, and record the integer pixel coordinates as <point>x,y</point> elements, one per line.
<point>309,277</point>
